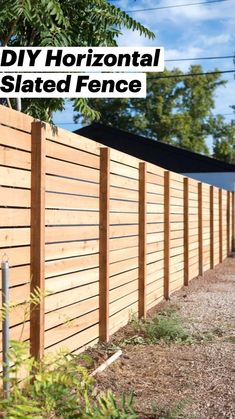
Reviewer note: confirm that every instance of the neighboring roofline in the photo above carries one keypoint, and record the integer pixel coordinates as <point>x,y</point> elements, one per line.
<point>143,146</point>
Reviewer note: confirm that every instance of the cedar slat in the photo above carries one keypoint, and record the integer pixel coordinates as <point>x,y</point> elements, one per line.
<point>58,184</point>
<point>70,233</point>
<point>71,280</point>
<point>70,327</point>
<point>15,119</point>
<point>66,201</point>
<point>71,296</point>
<point>14,138</point>
<point>14,217</point>
<point>15,177</point>
<point>76,217</point>
<point>12,197</point>
<point>71,155</point>
<point>14,237</point>
<point>14,158</point>
<point>59,267</point>
<point>63,250</point>
<point>72,170</point>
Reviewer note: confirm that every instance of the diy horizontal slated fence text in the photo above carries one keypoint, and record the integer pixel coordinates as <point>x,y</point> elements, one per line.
<point>102,234</point>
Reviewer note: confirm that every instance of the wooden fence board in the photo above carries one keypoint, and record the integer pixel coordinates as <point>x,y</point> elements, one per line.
<point>72,155</point>
<point>71,170</point>
<point>14,237</point>
<point>71,280</point>
<point>15,119</point>
<point>66,201</point>
<point>63,266</point>
<point>70,233</point>
<point>15,177</point>
<point>14,138</point>
<point>15,158</point>
<point>71,327</point>
<point>12,197</point>
<point>71,249</point>
<point>57,184</point>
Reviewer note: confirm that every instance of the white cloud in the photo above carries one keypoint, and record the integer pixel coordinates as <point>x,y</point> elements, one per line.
<point>174,54</point>
<point>210,41</point>
<point>133,39</point>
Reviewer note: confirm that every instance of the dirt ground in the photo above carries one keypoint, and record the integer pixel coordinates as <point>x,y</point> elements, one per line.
<point>201,375</point>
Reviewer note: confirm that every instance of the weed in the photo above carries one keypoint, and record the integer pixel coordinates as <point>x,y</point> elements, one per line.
<point>231,339</point>
<point>177,411</point>
<point>166,326</point>
<point>135,340</point>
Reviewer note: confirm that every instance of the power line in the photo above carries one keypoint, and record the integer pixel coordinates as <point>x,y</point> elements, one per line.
<point>175,6</point>
<point>202,58</point>
<point>191,75</point>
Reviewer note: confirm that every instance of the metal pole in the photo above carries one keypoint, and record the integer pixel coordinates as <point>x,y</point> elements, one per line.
<point>5,327</point>
<point>18,104</point>
<point>233,219</point>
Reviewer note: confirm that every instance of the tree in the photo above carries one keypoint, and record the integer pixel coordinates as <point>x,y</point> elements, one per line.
<point>62,23</point>
<point>176,109</point>
<point>152,116</point>
<point>223,139</point>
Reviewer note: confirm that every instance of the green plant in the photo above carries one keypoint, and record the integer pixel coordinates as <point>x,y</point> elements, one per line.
<point>176,411</point>
<point>58,388</point>
<point>165,326</point>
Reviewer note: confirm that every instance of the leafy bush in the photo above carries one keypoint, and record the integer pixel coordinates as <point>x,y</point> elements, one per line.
<point>59,388</point>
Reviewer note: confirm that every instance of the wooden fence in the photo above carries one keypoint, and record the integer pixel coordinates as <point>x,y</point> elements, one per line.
<point>106,234</point>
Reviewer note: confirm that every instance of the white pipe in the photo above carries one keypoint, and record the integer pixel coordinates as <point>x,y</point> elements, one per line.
<point>105,364</point>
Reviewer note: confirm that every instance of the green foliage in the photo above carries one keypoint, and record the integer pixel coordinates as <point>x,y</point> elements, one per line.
<point>223,139</point>
<point>177,111</point>
<point>62,23</point>
<point>59,388</point>
<point>176,411</point>
<point>165,326</point>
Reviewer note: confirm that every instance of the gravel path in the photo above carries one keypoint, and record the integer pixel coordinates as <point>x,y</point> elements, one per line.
<point>202,375</point>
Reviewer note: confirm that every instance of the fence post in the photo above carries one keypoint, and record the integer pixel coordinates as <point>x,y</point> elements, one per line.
<point>166,234</point>
<point>186,232</point>
<point>37,257</point>
<point>228,223</point>
<point>220,227</point>
<point>104,245</point>
<point>211,227</point>
<point>233,220</point>
<point>200,229</point>
<point>142,240</point>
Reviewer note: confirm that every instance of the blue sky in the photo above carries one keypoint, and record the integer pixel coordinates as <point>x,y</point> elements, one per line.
<point>204,30</point>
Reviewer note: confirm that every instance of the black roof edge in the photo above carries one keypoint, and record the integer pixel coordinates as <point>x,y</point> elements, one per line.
<point>148,149</point>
